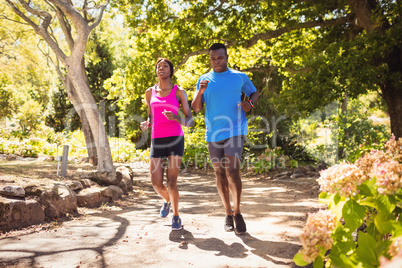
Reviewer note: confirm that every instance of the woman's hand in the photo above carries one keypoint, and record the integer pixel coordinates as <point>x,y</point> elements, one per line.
<point>170,115</point>
<point>144,125</point>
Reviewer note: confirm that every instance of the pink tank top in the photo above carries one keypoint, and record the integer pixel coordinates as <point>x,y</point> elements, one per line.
<point>161,126</point>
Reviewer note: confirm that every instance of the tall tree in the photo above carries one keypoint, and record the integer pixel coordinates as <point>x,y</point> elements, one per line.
<point>327,50</point>
<point>24,72</point>
<point>43,16</point>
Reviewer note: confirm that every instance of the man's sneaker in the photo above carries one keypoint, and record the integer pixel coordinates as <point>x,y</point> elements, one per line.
<point>240,224</point>
<point>176,223</point>
<point>229,225</point>
<point>165,209</point>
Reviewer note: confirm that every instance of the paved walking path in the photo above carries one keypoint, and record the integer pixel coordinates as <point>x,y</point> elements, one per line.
<point>135,235</point>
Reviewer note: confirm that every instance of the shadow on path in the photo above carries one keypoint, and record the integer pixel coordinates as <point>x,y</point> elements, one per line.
<point>184,237</point>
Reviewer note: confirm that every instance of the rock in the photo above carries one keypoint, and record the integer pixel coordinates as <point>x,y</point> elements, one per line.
<point>126,174</point>
<point>299,171</point>
<point>11,190</point>
<point>281,176</point>
<point>84,159</point>
<point>15,214</point>
<point>91,197</point>
<point>58,200</point>
<point>46,158</point>
<point>11,157</point>
<point>86,183</point>
<point>310,168</point>
<point>34,189</point>
<point>112,191</point>
<point>75,185</point>
<point>106,178</point>
<point>313,173</point>
<point>321,166</point>
<point>296,176</point>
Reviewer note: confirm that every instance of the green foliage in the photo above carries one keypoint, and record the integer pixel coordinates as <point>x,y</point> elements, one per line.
<point>332,135</point>
<point>195,146</point>
<point>7,105</point>
<point>272,158</point>
<point>29,116</point>
<point>62,114</point>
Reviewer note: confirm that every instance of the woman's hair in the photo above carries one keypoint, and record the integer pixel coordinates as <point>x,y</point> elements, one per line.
<point>168,61</point>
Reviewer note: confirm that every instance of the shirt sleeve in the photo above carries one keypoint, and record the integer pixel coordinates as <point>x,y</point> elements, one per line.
<point>248,87</point>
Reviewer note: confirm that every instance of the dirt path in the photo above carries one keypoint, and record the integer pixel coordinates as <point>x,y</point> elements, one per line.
<point>130,232</point>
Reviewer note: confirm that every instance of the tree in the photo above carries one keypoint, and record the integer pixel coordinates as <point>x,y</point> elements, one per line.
<point>24,72</point>
<point>43,17</point>
<point>327,50</point>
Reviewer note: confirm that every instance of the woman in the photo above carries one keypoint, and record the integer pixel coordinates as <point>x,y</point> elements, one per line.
<point>163,101</point>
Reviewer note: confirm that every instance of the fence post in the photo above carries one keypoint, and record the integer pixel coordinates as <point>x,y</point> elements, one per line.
<point>64,160</point>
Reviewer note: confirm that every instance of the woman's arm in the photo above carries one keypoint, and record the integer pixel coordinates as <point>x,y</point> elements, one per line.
<point>188,119</point>
<point>146,124</point>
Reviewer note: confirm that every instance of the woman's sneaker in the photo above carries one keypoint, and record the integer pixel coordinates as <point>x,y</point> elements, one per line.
<point>165,209</point>
<point>176,223</point>
<point>229,225</point>
<point>240,224</point>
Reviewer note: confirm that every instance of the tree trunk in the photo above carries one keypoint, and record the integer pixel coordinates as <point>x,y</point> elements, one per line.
<point>89,140</point>
<point>393,98</point>
<point>87,105</point>
<point>392,90</point>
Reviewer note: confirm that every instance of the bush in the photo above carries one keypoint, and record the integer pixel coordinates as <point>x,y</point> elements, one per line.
<point>362,226</point>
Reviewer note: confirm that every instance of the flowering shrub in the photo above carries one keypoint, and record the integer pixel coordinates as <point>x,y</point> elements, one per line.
<point>342,179</point>
<point>316,236</point>
<point>362,226</point>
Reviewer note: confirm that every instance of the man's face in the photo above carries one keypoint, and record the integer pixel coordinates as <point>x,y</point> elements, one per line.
<point>219,60</point>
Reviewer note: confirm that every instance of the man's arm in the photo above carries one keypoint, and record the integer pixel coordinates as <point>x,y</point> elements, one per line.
<point>254,97</point>
<point>197,104</point>
<point>246,105</point>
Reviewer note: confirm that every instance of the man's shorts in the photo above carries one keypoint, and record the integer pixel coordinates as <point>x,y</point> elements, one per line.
<point>164,147</point>
<point>232,146</point>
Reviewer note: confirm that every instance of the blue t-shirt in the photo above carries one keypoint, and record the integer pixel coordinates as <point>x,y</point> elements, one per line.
<point>224,118</point>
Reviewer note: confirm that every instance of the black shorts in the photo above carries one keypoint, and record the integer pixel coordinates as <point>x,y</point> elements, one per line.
<point>164,147</point>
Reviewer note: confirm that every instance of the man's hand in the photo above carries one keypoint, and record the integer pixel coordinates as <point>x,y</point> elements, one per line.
<point>245,105</point>
<point>203,86</point>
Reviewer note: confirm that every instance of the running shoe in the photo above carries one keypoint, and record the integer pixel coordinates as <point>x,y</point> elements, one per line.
<point>165,209</point>
<point>176,223</point>
<point>240,224</point>
<point>229,225</point>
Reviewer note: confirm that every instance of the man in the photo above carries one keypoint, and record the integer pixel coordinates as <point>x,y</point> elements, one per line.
<point>226,127</point>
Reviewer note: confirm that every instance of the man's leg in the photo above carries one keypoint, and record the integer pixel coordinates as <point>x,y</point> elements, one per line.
<point>232,169</point>
<point>222,185</point>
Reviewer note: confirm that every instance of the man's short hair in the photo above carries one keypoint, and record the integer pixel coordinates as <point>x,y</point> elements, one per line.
<point>217,46</point>
<point>168,62</point>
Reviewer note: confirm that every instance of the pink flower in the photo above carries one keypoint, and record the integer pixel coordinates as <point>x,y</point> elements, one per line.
<point>342,179</point>
<point>316,234</point>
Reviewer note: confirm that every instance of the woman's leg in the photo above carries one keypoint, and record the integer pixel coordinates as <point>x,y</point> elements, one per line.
<point>173,168</point>
<point>156,170</point>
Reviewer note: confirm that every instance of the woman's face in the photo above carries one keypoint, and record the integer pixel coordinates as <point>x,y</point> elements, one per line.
<point>163,69</point>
